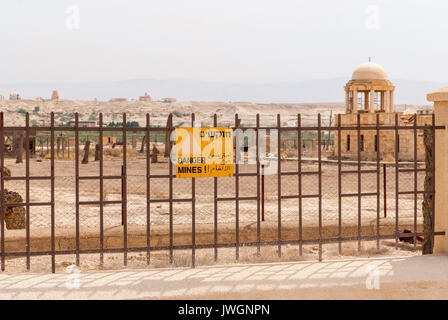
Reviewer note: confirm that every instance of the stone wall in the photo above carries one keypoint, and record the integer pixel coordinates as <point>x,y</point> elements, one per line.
<point>349,149</point>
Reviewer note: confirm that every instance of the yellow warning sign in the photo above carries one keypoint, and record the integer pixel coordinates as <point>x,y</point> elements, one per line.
<point>204,152</point>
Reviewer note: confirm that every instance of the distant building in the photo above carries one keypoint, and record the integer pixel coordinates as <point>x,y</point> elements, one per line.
<point>109,140</point>
<point>425,111</point>
<point>2,98</point>
<point>87,123</point>
<point>55,95</point>
<point>169,100</point>
<point>40,99</point>
<point>118,100</point>
<point>14,96</point>
<point>146,97</point>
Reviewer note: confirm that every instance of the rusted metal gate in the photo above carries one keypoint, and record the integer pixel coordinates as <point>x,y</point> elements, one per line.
<point>299,173</point>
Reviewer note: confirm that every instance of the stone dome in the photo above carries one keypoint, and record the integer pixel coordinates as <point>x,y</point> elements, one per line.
<point>369,71</point>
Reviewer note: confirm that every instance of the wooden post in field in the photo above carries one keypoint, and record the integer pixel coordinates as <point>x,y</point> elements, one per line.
<point>85,159</point>
<point>58,145</point>
<point>19,158</point>
<point>134,141</point>
<point>97,152</point>
<point>169,126</point>
<point>154,154</point>
<point>142,148</point>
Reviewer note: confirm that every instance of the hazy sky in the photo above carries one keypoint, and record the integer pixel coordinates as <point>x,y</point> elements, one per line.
<point>228,40</point>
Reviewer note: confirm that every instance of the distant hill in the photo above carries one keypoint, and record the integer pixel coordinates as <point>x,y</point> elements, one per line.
<point>321,90</point>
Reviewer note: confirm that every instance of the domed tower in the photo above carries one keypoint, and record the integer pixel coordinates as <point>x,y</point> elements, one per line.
<point>369,90</point>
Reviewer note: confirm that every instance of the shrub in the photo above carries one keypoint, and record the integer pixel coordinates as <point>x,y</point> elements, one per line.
<point>129,124</point>
<point>21,111</point>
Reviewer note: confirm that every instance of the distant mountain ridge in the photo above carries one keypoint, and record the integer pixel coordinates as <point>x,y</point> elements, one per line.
<point>308,91</point>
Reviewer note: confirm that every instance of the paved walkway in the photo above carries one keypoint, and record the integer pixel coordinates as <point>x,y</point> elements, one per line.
<point>407,277</point>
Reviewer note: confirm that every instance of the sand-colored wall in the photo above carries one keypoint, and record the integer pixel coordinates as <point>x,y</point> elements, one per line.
<point>440,99</point>
<point>387,137</point>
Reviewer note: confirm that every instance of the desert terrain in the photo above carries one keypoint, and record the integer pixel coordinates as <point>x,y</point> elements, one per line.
<point>65,182</point>
<point>136,111</point>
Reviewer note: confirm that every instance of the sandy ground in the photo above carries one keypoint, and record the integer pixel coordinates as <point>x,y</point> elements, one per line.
<point>360,278</point>
<point>205,257</point>
<point>159,189</point>
<point>136,111</point>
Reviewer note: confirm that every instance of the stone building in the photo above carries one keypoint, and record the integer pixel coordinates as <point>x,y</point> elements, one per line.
<point>109,140</point>
<point>55,95</point>
<point>368,93</point>
<point>146,97</point>
<point>87,123</point>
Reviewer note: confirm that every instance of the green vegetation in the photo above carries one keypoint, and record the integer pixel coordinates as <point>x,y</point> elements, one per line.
<point>129,124</point>
<point>21,111</point>
<point>177,113</point>
<point>36,109</point>
<point>92,116</point>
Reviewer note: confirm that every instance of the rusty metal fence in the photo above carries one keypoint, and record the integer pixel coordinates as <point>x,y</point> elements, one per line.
<point>130,190</point>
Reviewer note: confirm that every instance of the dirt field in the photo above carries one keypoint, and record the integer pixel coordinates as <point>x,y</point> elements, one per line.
<point>136,111</point>
<point>89,191</point>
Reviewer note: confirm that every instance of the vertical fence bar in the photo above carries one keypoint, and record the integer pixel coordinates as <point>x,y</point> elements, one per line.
<point>299,165</point>
<point>170,195</point>
<point>415,181</point>
<point>339,187</point>
<point>63,146</point>
<point>193,205</point>
<point>2,192</point>
<point>385,189</point>
<point>319,156</point>
<point>27,188</point>
<point>262,192</point>
<point>433,189</point>
<point>358,132</point>
<point>279,187</point>
<point>148,191</point>
<point>257,140</point>
<point>237,201</point>
<point>125,193</point>
<point>52,168</point>
<point>76,183</point>
<point>397,147</point>
<point>215,204</point>
<point>100,138</point>
<point>378,181</point>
